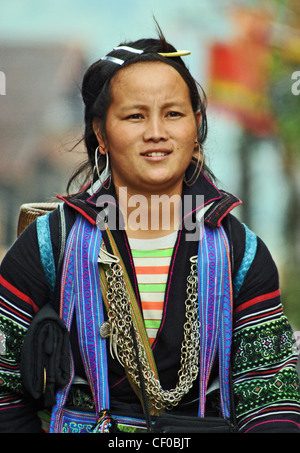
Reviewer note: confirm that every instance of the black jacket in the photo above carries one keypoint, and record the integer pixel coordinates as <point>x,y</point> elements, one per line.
<point>24,290</point>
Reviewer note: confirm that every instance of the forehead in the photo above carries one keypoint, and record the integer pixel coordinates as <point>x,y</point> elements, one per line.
<point>147,78</point>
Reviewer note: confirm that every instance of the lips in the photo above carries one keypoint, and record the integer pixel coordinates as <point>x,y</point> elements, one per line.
<point>152,154</point>
<point>155,154</point>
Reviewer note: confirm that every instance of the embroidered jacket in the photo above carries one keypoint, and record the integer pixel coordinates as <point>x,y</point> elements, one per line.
<point>265,381</point>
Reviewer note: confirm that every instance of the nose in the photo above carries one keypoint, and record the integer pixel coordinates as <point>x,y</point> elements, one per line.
<point>155,130</point>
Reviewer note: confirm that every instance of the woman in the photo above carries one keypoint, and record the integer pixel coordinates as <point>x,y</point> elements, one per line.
<point>172,305</point>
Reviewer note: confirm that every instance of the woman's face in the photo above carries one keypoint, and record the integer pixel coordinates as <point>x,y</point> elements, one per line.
<point>151,129</point>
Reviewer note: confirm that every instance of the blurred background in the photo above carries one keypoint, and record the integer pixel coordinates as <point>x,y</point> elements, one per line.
<point>245,54</point>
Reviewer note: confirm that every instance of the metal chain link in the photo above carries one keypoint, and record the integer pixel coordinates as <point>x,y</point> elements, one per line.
<point>119,328</point>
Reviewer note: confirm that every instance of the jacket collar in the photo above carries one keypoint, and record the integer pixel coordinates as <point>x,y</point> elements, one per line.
<point>203,198</point>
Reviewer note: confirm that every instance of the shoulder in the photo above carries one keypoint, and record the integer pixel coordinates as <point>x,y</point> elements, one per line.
<point>246,245</point>
<point>26,247</point>
<point>22,270</point>
<point>255,274</point>
<point>23,280</point>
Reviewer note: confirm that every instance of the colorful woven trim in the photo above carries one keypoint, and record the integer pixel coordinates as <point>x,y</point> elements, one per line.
<point>215,311</point>
<point>84,422</point>
<point>80,290</point>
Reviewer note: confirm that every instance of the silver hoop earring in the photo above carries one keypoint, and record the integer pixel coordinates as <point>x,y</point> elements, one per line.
<point>96,162</point>
<point>197,171</point>
<point>106,172</point>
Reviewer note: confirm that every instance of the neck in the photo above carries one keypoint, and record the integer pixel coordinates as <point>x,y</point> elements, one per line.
<point>150,216</point>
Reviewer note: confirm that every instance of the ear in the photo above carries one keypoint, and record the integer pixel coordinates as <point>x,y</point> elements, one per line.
<point>198,118</point>
<point>99,135</point>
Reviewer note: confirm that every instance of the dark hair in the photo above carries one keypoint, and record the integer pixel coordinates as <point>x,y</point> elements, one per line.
<point>96,91</point>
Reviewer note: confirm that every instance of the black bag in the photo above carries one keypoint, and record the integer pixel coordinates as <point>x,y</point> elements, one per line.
<point>45,359</point>
<point>170,423</point>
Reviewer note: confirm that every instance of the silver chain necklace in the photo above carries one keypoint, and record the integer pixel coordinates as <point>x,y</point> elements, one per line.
<point>119,327</point>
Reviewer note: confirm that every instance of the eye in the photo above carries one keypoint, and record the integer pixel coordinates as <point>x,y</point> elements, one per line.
<point>134,116</point>
<point>174,114</point>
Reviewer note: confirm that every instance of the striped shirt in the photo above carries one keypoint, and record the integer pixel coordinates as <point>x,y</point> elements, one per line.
<point>152,259</point>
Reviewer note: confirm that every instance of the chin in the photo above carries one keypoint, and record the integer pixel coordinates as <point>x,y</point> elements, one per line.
<point>163,186</point>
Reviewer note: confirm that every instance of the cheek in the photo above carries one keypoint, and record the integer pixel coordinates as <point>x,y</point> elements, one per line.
<point>119,154</point>
<point>115,144</point>
<point>188,138</point>
<point>120,139</point>
<point>189,129</point>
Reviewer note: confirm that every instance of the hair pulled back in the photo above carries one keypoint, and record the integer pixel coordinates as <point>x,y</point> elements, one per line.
<point>96,91</point>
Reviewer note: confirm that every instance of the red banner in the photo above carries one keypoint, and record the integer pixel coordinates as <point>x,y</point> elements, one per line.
<point>238,84</point>
<point>239,72</point>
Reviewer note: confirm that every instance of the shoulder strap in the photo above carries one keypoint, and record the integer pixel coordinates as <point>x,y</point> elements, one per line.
<point>62,234</point>
<point>46,251</point>
<point>45,245</point>
<point>249,254</point>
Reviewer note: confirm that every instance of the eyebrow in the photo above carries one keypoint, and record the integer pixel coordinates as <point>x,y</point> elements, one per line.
<point>179,104</point>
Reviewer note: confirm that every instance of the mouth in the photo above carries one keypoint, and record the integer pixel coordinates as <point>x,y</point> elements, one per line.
<point>156,154</point>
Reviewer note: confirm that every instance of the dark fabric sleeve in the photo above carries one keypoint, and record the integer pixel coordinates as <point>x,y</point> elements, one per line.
<point>265,379</point>
<point>23,291</point>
